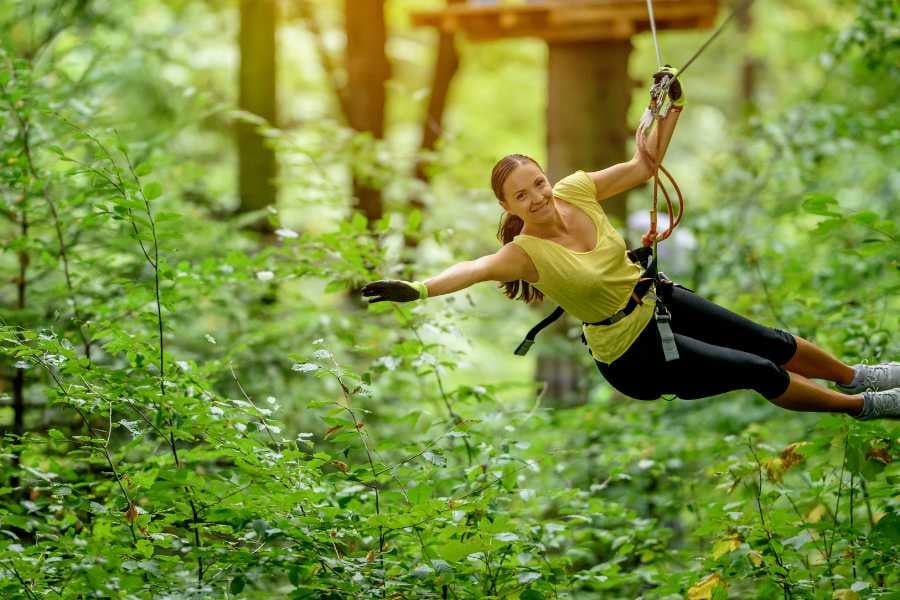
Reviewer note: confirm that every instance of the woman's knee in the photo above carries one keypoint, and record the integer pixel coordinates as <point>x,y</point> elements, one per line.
<point>784,346</point>
<point>769,378</point>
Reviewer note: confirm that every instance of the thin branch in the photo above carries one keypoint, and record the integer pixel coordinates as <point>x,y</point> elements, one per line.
<point>246,397</point>
<point>25,585</point>
<point>456,418</point>
<point>837,502</point>
<point>25,128</point>
<point>374,486</point>
<point>93,432</point>
<point>785,579</point>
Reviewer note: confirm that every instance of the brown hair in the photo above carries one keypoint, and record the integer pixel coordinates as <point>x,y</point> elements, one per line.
<point>511,225</point>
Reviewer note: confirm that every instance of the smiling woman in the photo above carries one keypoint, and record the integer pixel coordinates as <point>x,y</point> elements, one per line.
<point>558,242</point>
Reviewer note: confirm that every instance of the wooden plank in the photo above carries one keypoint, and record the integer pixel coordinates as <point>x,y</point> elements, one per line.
<point>558,20</point>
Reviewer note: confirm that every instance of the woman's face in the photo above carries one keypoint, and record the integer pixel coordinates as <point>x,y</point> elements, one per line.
<point>528,194</point>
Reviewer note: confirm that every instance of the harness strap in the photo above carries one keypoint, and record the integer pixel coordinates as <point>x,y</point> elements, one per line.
<point>526,344</point>
<point>663,318</point>
<point>648,277</point>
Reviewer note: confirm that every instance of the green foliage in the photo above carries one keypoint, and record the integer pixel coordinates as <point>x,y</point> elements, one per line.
<point>207,413</point>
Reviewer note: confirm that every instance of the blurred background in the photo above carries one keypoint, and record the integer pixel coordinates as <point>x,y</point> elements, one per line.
<point>193,193</point>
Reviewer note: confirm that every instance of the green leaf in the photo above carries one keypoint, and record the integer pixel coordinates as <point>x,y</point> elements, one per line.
<point>413,221</point>
<point>828,226</point>
<point>237,584</point>
<point>143,169</point>
<point>145,547</point>
<point>359,221</point>
<point>152,190</point>
<point>866,217</point>
<point>454,550</point>
<point>335,286</point>
<point>887,529</point>
<point>164,216</point>
<point>821,204</point>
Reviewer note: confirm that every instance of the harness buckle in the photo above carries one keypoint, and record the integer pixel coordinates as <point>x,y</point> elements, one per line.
<point>617,317</point>
<point>524,347</point>
<point>667,337</point>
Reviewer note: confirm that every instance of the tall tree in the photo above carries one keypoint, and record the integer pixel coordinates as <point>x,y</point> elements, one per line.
<point>257,162</point>
<point>368,70</point>
<point>445,66</point>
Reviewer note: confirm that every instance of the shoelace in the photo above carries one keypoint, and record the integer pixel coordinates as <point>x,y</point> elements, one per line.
<point>873,375</point>
<point>882,401</point>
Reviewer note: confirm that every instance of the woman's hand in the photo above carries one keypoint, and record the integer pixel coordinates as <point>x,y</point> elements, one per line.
<point>394,290</point>
<point>652,236</point>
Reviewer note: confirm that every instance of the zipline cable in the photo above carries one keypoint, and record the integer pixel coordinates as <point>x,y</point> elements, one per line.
<point>657,108</point>
<point>653,30</point>
<point>715,34</point>
<point>665,88</point>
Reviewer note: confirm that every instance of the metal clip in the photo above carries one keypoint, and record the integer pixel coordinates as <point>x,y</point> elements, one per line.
<point>670,349</point>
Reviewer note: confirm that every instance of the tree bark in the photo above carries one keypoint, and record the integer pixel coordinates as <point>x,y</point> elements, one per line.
<point>587,110</point>
<point>368,70</point>
<point>445,66</point>
<point>257,162</point>
<point>18,428</point>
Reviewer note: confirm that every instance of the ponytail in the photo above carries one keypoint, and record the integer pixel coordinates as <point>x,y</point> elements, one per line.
<point>511,225</point>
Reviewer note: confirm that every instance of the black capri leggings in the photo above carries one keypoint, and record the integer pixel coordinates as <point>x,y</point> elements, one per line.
<point>719,351</point>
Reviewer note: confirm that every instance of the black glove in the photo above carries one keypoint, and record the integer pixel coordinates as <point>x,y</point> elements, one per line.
<point>675,92</point>
<point>394,290</point>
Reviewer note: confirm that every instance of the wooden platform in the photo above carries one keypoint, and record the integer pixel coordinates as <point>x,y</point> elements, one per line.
<point>568,21</point>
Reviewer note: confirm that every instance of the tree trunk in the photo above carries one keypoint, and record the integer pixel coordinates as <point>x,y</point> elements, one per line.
<point>587,128</point>
<point>445,67</point>
<point>257,95</point>
<point>367,72</point>
<point>18,428</point>
<point>587,110</point>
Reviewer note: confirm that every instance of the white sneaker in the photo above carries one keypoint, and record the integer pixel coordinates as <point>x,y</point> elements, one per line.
<point>875,378</point>
<point>880,405</point>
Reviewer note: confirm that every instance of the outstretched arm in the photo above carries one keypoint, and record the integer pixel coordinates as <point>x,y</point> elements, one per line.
<point>625,176</point>
<point>510,263</point>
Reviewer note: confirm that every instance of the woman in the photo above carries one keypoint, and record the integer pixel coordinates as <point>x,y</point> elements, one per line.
<point>559,243</point>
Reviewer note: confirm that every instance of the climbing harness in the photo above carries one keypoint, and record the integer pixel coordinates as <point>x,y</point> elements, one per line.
<point>660,105</point>
<point>641,256</point>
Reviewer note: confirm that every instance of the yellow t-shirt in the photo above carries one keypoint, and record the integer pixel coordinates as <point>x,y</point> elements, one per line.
<point>591,286</point>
